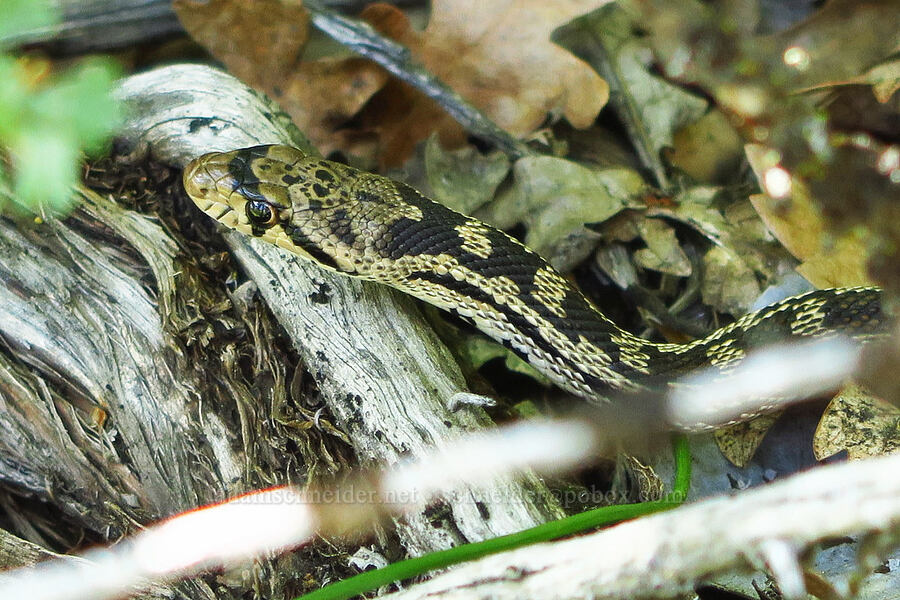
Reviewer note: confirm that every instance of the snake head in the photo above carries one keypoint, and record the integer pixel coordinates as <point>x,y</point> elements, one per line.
<point>237,189</point>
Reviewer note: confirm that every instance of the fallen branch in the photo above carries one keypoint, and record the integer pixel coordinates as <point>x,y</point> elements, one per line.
<point>664,555</point>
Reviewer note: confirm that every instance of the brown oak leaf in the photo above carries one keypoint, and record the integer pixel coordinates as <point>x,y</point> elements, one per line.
<point>261,43</point>
<point>496,55</point>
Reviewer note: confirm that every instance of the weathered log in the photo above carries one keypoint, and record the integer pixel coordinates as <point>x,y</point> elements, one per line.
<point>382,371</point>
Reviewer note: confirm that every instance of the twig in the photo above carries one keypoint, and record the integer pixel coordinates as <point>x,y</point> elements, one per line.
<point>767,380</point>
<point>397,60</point>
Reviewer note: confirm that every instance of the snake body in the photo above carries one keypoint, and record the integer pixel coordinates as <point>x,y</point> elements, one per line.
<point>367,226</point>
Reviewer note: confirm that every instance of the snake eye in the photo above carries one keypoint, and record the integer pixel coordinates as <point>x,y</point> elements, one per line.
<point>259,213</point>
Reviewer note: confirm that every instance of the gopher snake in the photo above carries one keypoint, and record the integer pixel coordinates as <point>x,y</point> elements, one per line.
<point>371,227</point>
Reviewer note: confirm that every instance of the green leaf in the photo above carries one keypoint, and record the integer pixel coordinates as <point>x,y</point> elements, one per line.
<point>46,163</point>
<point>84,92</point>
<point>13,97</point>
<point>478,350</point>
<point>45,130</point>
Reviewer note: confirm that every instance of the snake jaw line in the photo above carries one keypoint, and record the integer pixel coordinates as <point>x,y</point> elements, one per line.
<point>209,188</point>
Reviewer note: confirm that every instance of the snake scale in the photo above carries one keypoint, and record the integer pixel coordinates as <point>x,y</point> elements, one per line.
<point>367,226</point>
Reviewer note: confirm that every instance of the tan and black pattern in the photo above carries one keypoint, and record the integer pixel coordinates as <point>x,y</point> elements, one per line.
<point>367,226</point>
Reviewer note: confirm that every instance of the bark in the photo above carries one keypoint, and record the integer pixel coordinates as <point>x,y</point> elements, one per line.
<point>101,425</point>
<point>85,345</point>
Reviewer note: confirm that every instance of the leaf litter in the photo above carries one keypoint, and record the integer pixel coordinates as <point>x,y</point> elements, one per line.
<point>690,193</point>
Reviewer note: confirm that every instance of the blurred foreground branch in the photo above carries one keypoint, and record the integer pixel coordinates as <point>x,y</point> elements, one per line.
<point>277,519</point>
<point>654,557</point>
<point>664,555</point>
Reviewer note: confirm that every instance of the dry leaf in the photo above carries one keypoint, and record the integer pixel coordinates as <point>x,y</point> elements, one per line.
<point>696,208</point>
<point>639,481</point>
<point>496,55</point>
<point>554,198</point>
<point>259,42</point>
<point>663,252</point>
<point>651,108</point>
<point>463,179</point>
<point>499,56</point>
<point>709,149</point>
<point>743,252</point>
<point>798,225</point>
<point>884,79</point>
<point>323,95</point>
<point>858,423</point>
<point>739,442</point>
<point>729,284</point>
<point>841,40</point>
